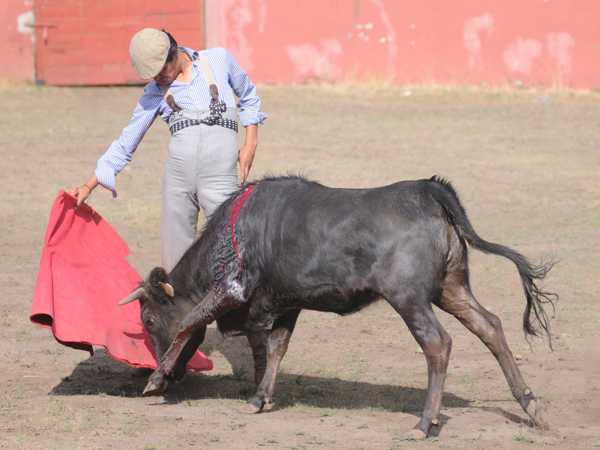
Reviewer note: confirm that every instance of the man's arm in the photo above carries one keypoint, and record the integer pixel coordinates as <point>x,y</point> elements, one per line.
<point>246,153</point>
<point>82,192</point>
<point>250,113</point>
<point>121,151</point>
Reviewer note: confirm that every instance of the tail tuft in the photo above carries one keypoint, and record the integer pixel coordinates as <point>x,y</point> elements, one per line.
<point>535,319</point>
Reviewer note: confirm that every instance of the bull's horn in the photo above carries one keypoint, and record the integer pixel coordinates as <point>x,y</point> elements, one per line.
<point>135,295</point>
<point>168,289</point>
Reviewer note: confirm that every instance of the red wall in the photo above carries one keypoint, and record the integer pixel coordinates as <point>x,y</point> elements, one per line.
<point>534,42</point>
<point>16,43</point>
<point>89,43</point>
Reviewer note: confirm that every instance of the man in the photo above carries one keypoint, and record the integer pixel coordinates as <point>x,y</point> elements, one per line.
<point>201,171</point>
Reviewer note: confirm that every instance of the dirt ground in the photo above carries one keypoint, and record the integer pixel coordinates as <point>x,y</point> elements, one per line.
<point>527,166</point>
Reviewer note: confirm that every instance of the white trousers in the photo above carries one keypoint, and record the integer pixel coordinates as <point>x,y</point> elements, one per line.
<point>201,173</point>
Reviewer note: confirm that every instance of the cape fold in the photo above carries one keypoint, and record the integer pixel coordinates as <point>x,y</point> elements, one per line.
<point>83,275</point>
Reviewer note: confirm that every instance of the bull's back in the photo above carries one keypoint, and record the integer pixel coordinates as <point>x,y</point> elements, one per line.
<point>305,236</point>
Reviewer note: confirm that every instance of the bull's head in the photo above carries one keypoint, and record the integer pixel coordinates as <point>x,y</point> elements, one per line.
<point>162,311</point>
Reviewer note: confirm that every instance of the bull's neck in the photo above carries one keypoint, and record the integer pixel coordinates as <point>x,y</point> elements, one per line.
<point>190,286</point>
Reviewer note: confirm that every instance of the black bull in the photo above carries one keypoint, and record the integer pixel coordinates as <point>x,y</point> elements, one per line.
<point>285,244</point>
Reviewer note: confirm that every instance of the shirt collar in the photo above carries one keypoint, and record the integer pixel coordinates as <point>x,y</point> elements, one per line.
<point>193,54</point>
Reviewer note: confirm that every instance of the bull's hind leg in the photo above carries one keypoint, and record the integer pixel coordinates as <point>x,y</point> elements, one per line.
<point>458,301</point>
<point>279,339</point>
<point>436,344</point>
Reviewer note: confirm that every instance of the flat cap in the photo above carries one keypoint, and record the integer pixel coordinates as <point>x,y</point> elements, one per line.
<point>148,52</point>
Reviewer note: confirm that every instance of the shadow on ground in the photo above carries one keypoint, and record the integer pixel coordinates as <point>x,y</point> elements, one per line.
<point>102,375</point>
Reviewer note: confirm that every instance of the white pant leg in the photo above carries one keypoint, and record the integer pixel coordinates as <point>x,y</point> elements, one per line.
<point>201,172</point>
<point>216,175</point>
<point>180,207</point>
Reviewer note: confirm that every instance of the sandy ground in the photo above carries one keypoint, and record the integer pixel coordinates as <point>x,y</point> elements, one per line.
<point>527,166</point>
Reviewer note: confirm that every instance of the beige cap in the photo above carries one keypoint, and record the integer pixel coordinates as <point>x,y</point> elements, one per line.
<point>148,51</point>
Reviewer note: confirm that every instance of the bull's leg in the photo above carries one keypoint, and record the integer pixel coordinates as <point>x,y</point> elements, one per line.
<point>222,298</point>
<point>187,353</point>
<point>458,301</point>
<point>259,344</point>
<point>279,339</point>
<point>436,344</point>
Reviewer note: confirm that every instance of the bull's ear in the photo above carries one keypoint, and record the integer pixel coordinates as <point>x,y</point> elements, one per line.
<point>138,294</point>
<point>158,275</point>
<point>158,282</point>
<point>168,289</point>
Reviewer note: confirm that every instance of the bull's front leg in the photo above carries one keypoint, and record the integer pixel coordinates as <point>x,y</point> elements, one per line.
<point>223,297</point>
<point>277,345</point>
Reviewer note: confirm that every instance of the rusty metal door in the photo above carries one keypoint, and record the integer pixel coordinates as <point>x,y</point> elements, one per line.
<point>86,42</point>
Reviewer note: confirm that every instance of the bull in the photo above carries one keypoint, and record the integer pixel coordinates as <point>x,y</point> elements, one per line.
<point>284,244</point>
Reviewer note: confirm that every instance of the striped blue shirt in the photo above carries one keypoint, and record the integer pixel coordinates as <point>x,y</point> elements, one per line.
<point>193,96</point>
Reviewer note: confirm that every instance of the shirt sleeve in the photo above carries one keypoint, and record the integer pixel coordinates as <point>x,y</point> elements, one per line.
<point>121,151</point>
<point>249,103</point>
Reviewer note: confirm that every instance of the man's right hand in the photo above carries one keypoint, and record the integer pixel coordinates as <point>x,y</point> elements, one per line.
<point>83,192</point>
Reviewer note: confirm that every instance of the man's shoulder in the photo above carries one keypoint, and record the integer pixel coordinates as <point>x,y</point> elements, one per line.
<point>206,51</point>
<point>216,52</point>
<point>152,88</point>
<point>190,51</point>
<point>152,94</point>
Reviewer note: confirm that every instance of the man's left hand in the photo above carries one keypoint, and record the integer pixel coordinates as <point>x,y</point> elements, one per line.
<point>245,158</point>
<point>246,153</point>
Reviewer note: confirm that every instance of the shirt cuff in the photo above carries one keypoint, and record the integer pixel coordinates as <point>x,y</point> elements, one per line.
<point>252,117</point>
<point>106,176</point>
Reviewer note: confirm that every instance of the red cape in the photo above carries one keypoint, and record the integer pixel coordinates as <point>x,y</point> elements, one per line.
<point>82,277</point>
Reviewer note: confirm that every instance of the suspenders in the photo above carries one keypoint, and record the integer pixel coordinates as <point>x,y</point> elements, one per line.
<point>217,108</point>
<point>210,79</point>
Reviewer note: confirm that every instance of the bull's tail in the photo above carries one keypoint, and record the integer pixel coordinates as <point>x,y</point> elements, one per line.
<point>535,319</point>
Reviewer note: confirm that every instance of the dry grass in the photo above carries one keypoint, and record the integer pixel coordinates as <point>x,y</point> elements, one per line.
<point>526,164</point>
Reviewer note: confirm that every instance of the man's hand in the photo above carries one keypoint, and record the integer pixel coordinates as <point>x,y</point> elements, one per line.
<point>246,153</point>
<point>245,158</point>
<point>84,191</point>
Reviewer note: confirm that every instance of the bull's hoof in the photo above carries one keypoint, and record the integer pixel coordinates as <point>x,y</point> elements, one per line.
<point>253,406</point>
<point>534,411</point>
<point>414,435</point>
<point>179,378</point>
<point>157,383</point>
<point>179,374</point>
<point>152,388</point>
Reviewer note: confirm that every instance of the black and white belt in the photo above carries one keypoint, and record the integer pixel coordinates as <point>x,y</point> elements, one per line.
<point>215,118</point>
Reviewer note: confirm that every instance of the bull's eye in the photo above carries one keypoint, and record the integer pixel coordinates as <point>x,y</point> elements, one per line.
<point>149,323</point>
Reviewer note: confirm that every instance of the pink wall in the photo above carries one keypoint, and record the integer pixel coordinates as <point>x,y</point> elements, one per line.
<point>535,42</point>
<point>16,44</point>
<point>88,43</point>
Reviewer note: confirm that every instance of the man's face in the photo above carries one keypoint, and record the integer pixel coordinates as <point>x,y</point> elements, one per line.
<point>168,73</point>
